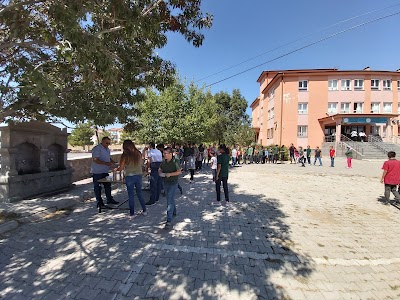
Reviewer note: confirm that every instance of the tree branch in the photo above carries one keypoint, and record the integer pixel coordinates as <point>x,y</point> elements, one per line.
<point>24,44</point>
<point>15,5</point>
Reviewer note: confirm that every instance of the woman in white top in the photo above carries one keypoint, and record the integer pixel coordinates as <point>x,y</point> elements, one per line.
<point>213,164</point>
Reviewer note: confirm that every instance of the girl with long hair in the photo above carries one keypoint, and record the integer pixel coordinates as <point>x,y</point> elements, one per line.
<point>131,161</point>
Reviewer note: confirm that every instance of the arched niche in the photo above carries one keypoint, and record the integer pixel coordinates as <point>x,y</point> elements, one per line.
<point>27,159</point>
<point>55,157</point>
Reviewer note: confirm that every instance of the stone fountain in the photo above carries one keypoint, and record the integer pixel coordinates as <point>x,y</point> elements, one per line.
<point>33,160</point>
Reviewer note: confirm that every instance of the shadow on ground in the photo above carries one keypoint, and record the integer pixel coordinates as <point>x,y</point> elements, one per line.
<point>213,252</point>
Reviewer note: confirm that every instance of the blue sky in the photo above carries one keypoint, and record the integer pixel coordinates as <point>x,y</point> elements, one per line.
<point>245,29</point>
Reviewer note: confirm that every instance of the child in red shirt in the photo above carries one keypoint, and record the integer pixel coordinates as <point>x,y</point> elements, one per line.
<point>332,156</point>
<point>391,176</point>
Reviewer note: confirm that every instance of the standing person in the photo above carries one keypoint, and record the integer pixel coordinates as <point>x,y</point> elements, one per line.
<point>153,164</point>
<point>222,174</point>
<point>266,155</point>
<point>199,157</point>
<point>205,154</point>
<point>391,176</point>
<point>302,158</point>
<point>244,155</point>
<point>296,155</point>
<point>250,154</point>
<point>317,156</point>
<point>170,171</point>
<point>192,162</point>
<point>291,153</point>
<point>282,151</point>
<point>239,155</point>
<point>308,154</point>
<point>101,164</point>
<point>270,155</point>
<point>349,155</point>
<point>234,156</point>
<point>186,154</point>
<point>176,157</point>
<point>131,162</point>
<point>332,156</point>
<point>276,154</point>
<point>213,164</point>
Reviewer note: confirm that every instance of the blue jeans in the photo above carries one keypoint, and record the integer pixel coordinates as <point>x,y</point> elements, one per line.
<point>97,188</point>
<point>319,159</point>
<point>332,161</point>
<point>170,190</point>
<point>155,182</point>
<point>132,183</point>
<point>233,161</point>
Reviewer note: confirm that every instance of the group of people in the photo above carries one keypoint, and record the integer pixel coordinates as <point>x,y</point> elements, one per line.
<point>164,164</point>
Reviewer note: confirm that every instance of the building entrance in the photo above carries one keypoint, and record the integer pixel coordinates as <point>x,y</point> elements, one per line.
<point>352,131</point>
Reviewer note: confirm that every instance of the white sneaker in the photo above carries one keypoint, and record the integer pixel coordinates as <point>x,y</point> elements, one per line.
<point>144,213</point>
<point>216,203</point>
<point>228,203</point>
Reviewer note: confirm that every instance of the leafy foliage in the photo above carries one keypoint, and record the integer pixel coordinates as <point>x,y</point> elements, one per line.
<point>81,135</point>
<point>88,60</point>
<point>191,114</point>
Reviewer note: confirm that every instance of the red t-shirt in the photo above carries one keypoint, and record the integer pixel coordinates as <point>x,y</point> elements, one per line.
<point>331,152</point>
<point>392,166</point>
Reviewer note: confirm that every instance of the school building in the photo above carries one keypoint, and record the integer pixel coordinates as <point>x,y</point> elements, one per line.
<point>308,107</point>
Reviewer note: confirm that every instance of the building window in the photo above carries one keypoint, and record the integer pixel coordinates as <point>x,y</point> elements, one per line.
<point>398,108</point>
<point>387,85</point>
<point>358,84</point>
<point>302,108</point>
<point>398,85</point>
<point>272,113</point>
<point>358,107</point>
<point>387,107</point>
<point>303,85</point>
<point>302,131</point>
<point>375,84</point>
<point>269,114</point>
<point>332,85</point>
<point>375,107</point>
<point>332,107</point>
<point>345,108</point>
<point>346,84</point>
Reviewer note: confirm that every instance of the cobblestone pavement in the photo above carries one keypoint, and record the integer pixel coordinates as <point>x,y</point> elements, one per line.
<point>291,233</point>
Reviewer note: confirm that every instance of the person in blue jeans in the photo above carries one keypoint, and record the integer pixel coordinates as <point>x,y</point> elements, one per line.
<point>170,171</point>
<point>318,156</point>
<point>153,163</point>
<point>131,162</point>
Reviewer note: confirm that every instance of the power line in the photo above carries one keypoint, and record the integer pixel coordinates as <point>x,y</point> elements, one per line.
<point>306,46</point>
<point>296,40</point>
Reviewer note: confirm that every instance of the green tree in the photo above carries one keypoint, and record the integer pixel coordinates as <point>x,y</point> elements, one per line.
<point>88,60</point>
<point>81,135</point>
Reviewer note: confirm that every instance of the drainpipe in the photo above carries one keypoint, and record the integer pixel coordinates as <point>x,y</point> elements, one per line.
<point>280,127</point>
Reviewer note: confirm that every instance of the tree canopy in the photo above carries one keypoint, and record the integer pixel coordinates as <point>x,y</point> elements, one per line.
<point>88,60</point>
<point>192,114</point>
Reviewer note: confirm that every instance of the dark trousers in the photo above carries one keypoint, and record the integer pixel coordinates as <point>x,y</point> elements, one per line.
<point>224,181</point>
<point>155,182</point>
<point>97,188</point>
<point>191,174</point>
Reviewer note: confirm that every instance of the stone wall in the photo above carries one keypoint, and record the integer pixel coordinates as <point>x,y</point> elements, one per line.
<point>81,166</point>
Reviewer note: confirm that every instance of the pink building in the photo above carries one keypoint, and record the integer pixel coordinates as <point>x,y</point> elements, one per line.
<point>305,107</point>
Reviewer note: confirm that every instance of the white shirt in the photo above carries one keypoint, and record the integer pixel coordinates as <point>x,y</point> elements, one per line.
<point>155,155</point>
<point>213,163</point>
<point>354,133</point>
<point>234,152</point>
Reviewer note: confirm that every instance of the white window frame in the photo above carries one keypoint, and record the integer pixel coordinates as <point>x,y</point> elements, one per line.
<point>346,84</point>
<point>375,104</point>
<point>358,84</point>
<point>272,113</point>
<point>331,110</point>
<point>331,85</point>
<point>342,111</point>
<point>387,84</point>
<point>303,85</point>
<point>375,84</point>
<point>357,110</point>
<point>386,104</point>
<point>302,108</point>
<point>302,131</point>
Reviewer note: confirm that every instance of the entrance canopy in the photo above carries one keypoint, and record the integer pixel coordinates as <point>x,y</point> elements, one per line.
<point>372,124</point>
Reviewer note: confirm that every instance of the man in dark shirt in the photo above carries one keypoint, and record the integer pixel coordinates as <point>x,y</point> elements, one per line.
<point>318,156</point>
<point>170,171</point>
<point>222,174</point>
